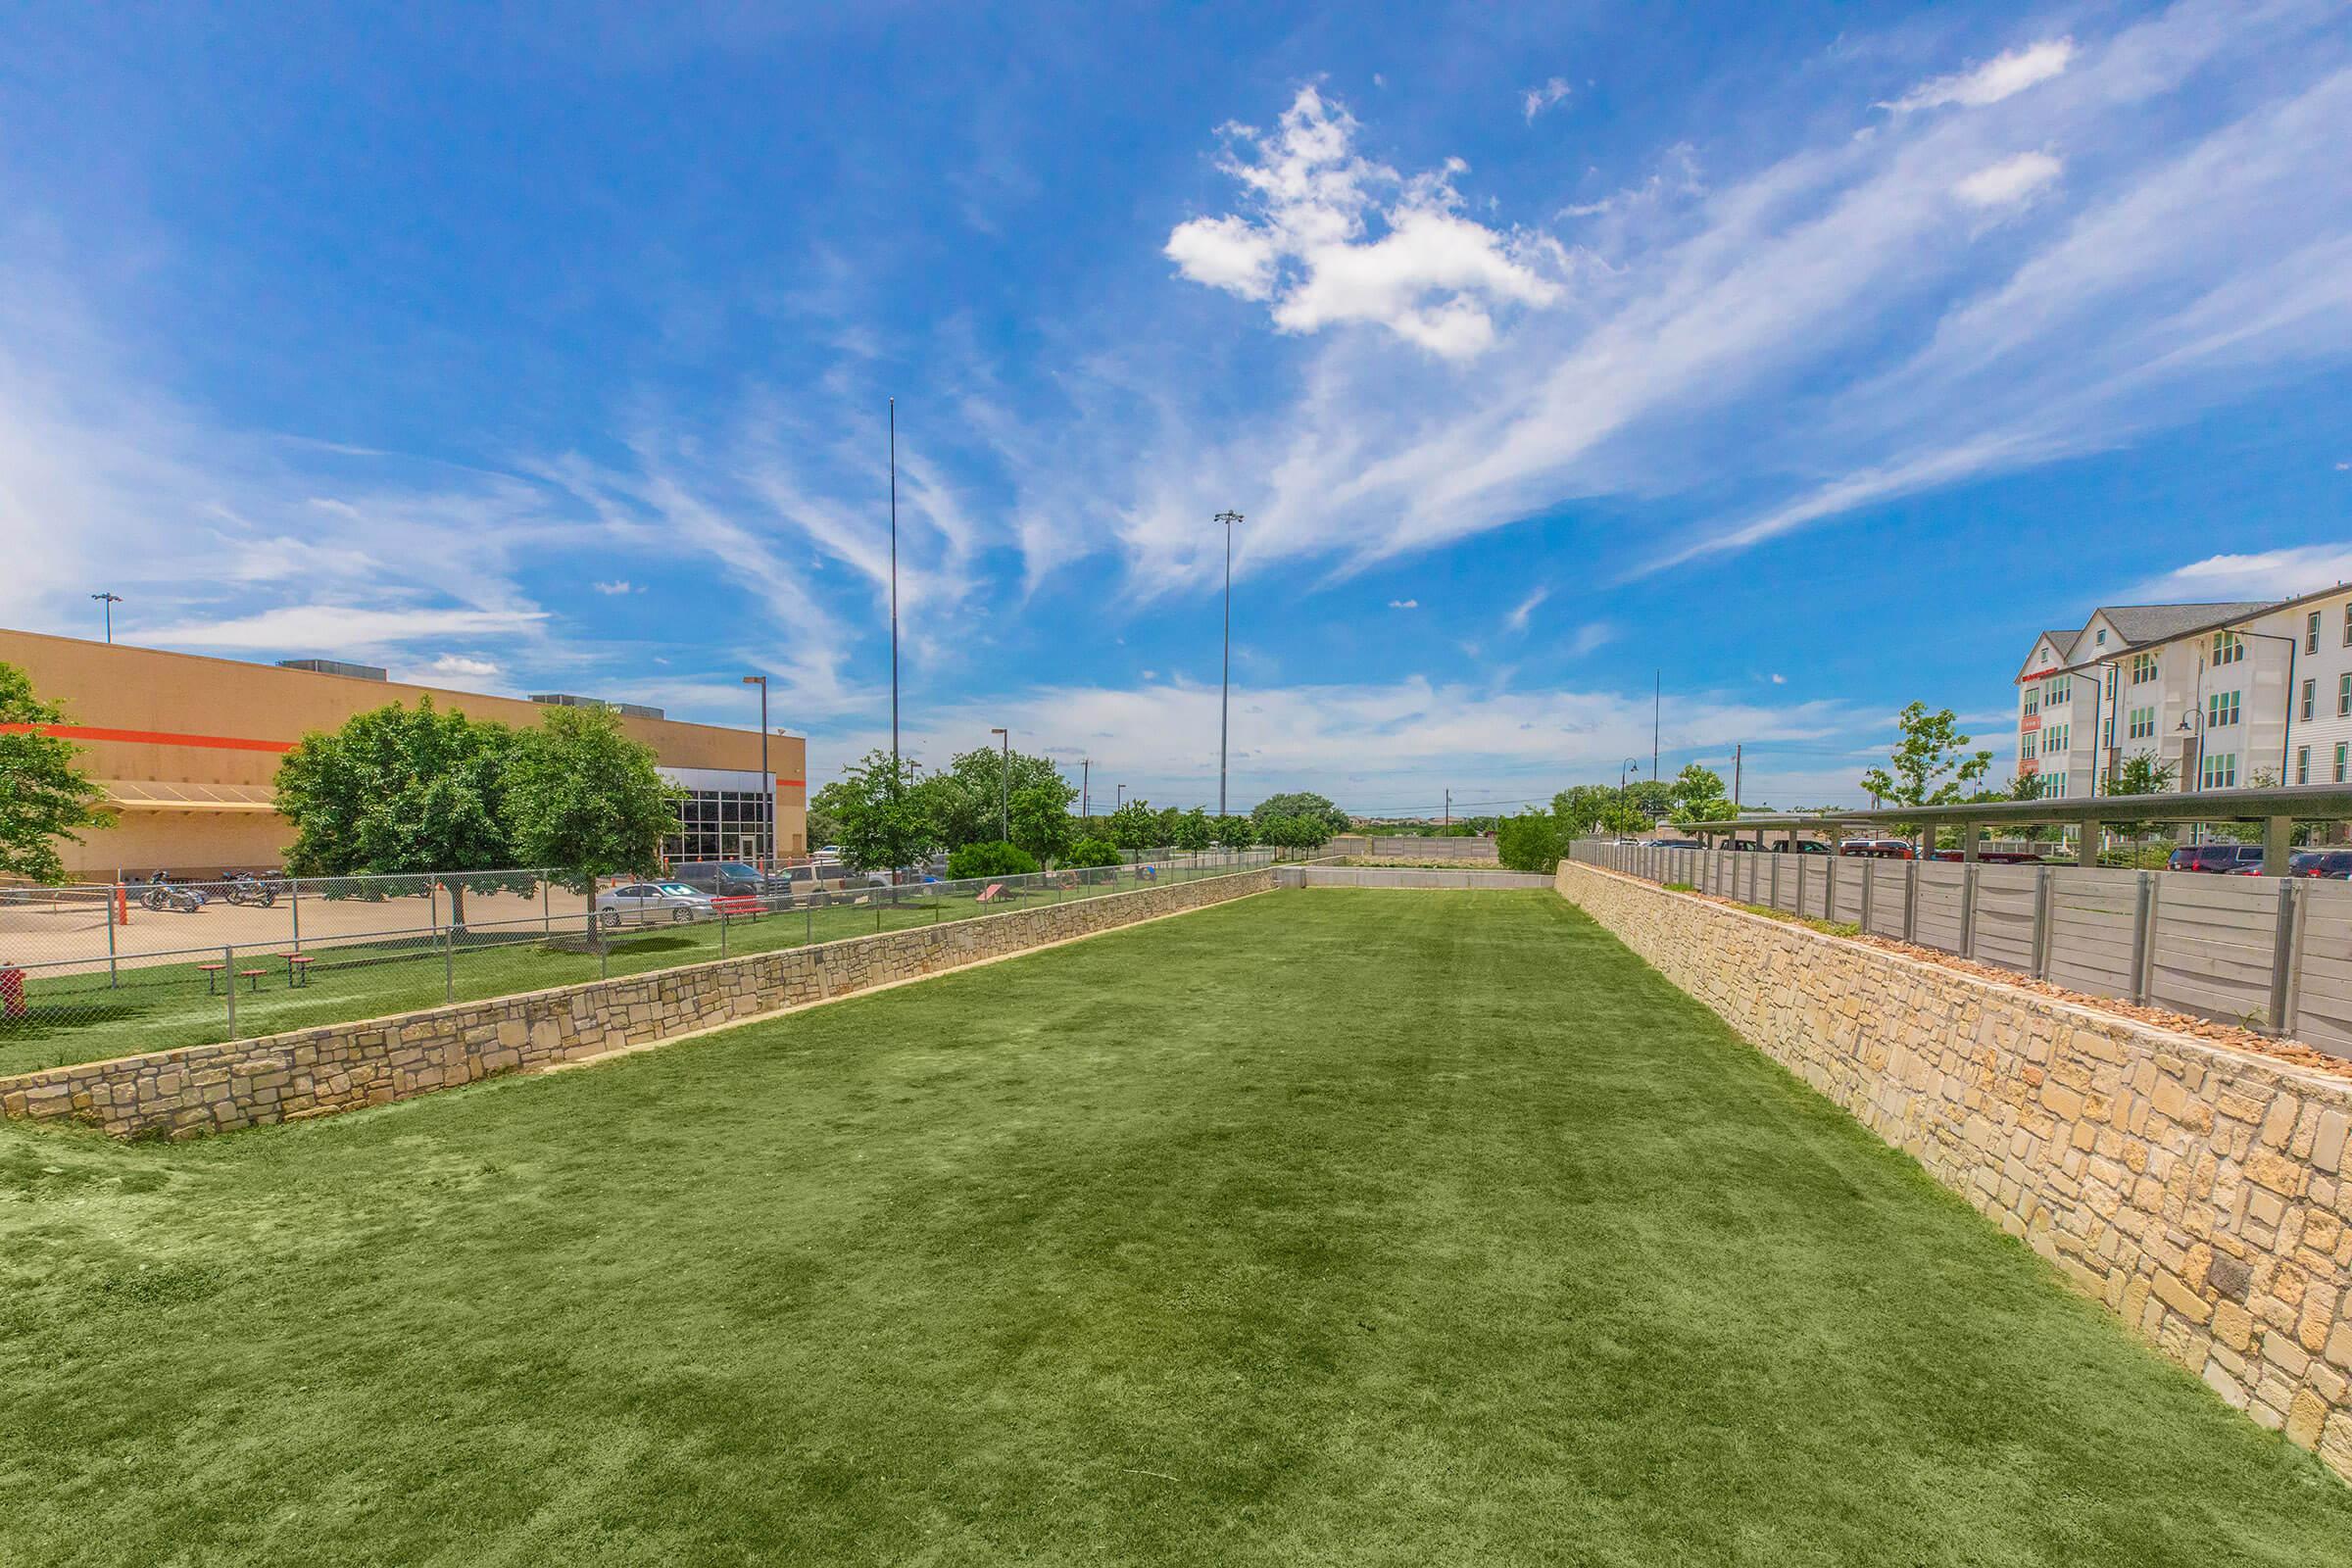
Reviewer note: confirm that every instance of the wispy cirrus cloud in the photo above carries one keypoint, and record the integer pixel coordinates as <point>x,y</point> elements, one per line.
<point>2003,76</point>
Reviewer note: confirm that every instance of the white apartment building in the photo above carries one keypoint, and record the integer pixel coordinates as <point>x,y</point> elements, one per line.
<point>2227,696</point>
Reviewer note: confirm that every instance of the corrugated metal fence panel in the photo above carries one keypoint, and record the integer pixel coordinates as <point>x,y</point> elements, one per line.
<point>1938,921</point>
<point>2213,945</point>
<point>2321,1009</point>
<point>1887,881</point>
<point>2007,897</point>
<point>2094,916</point>
<point>1845,901</point>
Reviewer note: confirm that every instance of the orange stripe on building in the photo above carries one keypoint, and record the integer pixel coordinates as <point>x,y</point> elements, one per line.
<point>148,737</point>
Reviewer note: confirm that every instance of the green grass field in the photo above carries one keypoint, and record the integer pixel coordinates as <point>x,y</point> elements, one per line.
<point>1329,1226</point>
<point>158,1007</point>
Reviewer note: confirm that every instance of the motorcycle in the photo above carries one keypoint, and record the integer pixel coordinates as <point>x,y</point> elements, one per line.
<point>162,895</point>
<point>244,888</point>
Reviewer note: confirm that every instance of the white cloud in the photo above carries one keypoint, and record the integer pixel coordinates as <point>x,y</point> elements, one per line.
<point>2002,77</point>
<point>2009,180</point>
<point>1415,604</point>
<point>1589,637</point>
<point>327,630</point>
<point>1779,679</point>
<point>2258,575</point>
<point>1330,238</point>
<point>619,585</point>
<point>1536,100</point>
<point>1516,621</point>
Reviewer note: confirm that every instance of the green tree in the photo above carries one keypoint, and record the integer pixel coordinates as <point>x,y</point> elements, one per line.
<point>1091,852</point>
<point>967,802</point>
<point>1133,826</point>
<point>1698,796</point>
<point>1194,830</point>
<point>43,795</point>
<point>1041,824</point>
<point>1163,832</point>
<point>2141,774</point>
<point>585,798</point>
<point>968,861</point>
<point>1236,832</point>
<point>399,790</point>
<point>1307,831</point>
<point>1581,807</point>
<point>1301,803</point>
<point>1929,765</point>
<point>1532,840</point>
<point>885,821</point>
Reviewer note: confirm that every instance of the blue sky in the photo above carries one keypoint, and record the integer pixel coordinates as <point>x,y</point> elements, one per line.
<point>1806,359</point>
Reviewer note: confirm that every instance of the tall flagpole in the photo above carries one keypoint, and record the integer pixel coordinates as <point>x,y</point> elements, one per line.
<point>894,595</point>
<point>1225,681</point>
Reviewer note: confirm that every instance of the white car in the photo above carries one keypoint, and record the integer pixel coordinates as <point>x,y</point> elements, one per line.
<point>645,902</point>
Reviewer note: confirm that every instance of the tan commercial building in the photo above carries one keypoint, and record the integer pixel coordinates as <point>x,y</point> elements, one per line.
<point>185,748</point>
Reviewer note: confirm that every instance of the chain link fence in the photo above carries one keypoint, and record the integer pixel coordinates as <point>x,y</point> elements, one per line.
<point>91,973</point>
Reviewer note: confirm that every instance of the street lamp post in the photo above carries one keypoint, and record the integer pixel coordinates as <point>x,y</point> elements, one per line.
<point>1005,794</point>
<point>109,600</point>
<point>768,777</point>
<point>1225,681</point>
<point>1086,773</point>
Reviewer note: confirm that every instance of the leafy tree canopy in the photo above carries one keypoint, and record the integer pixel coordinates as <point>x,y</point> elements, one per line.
<point>1092,852</point>
<point>1532,840</point>
<point>883,820</point>
<point>1931,763</point>
<point>1301,803</point>
<point>966,802</point>
<point>43,795</point>
<point>970,860</point>
<point>1194,830</point>
<point>582,796</point>
<point>1236,832</point>
<point>1133,826</point>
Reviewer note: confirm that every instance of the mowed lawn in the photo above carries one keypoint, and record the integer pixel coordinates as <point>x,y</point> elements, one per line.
<point>1331,1226</point>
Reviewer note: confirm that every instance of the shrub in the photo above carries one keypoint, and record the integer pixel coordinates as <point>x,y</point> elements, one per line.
<point>1092,852</point>
<point>990,859</point>
<point>1533,840</point>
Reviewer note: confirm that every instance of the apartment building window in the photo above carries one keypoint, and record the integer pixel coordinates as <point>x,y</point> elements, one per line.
<point>2340,750</point>
<point>2061,689</point>
<point>2053,786</point>
<point>2344,695</point>
<point>2302,764</point>
<point>2221,708</point>
<point>2307,692</point>
<point>2348,625</point>
<point>2024,745</point>
<point>2227,647</point>
<point>2053,739</point>
<point>2144,724</point>
<point>2221,772</point>
<point>2310,632</point>
<point>2032,701</point>
<point>2143,665</point>
<point>2102,639</point>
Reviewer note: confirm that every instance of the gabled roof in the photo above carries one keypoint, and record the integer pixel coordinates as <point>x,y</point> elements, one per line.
<point>2155,623</point>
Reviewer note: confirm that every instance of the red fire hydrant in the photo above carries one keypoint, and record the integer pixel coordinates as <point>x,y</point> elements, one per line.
<point>11,989</point>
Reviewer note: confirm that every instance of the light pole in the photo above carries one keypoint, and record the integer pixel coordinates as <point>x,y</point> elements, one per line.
<point>110,600</point>
<point>1004,795</point>
<point>1118,797</point>
<point>1633,763</point>
<point>1225,681</point>
<point>767,779</point>
<point>893,599</point>
<point>1086,772</point>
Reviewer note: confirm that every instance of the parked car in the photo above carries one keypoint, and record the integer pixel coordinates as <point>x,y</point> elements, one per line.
<point>1672,844</point>
<point>2218,859</point>
<point>1878,849</point>
<point>1800,847</point>
<point>2332,864</point>
<point>646,903</point>
<point>727,878</point>
<point>1994,857</point>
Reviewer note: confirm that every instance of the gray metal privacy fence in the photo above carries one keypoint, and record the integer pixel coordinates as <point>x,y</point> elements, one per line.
<point>240,970</point>
<point>2272,953</point>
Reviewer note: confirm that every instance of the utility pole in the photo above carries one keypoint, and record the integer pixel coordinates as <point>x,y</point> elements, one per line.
<point>1005,793</point>
<point>1086,772</point>
<point>894,598</point>
<point>1118,797</point>
<point>1657,699</point>
<point>1225,681</point>
<point>110,600</point>
<point>1737,752</point>
<point>1448,823</point>
<point>767,779</point>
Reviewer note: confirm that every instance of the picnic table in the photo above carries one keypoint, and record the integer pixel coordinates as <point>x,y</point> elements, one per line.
<point>298,969</point>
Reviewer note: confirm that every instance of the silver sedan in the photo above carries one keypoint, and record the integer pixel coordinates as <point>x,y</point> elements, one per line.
<point>646,903</point>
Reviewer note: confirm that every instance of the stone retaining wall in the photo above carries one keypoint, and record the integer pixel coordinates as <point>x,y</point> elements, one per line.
<point>2196,1190</point>
<point>316,1072</point>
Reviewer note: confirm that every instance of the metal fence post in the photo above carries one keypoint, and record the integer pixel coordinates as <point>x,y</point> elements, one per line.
<point>112,897</point>
<point>2042,922</point>
<point>1911,900</point>
<point>432,905</point>
<point>1799,903</point>
<point>547,903</point>
<point>228,977</point>
<point>1829,888</point>
<point>2143,936</point>
<point>1968,909</point>
<point>722,933</point>
<point>2282,949</point>
<point>1870,885</point>
<point>449,964</point>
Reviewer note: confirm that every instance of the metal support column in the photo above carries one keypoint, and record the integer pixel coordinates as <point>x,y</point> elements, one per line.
<point>2278,844</point>
<point>2282,954</point>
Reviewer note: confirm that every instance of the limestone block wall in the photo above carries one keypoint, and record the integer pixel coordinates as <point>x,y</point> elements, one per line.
<point>2198,1191</point>
<point>335,1067</point>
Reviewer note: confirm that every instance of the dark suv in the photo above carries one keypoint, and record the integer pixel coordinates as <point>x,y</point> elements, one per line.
<point>727,879</point>
<point>2219,859</point>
